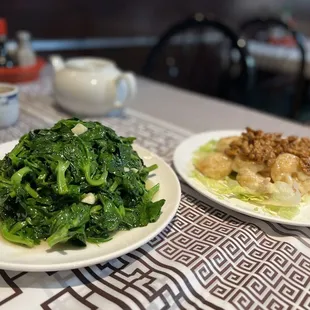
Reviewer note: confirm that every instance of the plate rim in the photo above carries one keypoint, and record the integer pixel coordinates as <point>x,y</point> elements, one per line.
<point>99,259</point>
<point>206,193</point>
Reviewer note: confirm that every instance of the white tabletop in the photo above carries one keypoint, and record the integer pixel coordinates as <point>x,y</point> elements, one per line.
<point>187,110</point>
<point>200,113</point>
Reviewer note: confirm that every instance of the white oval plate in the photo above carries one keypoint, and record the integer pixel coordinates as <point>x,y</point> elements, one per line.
<point>183,164</point>
<point>41,258</point>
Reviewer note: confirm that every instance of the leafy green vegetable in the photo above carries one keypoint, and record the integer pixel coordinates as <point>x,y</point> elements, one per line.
<point>47,179</point>
<point>284,212</point>
<point>208,147</point>
<point>282,202</point>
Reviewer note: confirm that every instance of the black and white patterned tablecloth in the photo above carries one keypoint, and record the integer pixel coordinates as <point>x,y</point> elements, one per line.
<point>207,258</point>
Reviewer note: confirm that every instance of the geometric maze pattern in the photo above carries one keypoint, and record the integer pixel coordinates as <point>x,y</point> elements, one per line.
<point>204,259</point>
<point>238,262</point>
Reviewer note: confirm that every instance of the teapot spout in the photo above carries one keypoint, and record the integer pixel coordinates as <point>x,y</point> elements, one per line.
<point>57,62</point>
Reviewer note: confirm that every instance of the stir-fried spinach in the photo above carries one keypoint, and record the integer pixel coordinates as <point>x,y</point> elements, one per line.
<point>59,185</point>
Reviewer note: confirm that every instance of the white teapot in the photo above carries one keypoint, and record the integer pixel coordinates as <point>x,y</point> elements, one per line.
<point>91,86</point>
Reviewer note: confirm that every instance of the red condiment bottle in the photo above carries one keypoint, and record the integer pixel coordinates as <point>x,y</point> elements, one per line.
<point>5,59</point>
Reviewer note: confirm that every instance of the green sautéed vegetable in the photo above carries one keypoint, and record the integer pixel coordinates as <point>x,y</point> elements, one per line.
<point>78,182</point>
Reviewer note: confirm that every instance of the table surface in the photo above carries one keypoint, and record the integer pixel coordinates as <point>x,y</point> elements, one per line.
<point>207,258</point>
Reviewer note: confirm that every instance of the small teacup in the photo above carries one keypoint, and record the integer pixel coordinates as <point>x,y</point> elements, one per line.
<point>9,104</point>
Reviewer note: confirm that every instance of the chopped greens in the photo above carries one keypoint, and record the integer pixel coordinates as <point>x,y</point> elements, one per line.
<point>82,186</point>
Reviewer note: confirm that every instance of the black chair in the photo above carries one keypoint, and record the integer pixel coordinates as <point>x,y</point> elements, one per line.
<point>251,29</point>
<point>186,56</point>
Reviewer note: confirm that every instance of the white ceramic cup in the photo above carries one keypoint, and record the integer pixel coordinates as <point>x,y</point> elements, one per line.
<point>9,104</point>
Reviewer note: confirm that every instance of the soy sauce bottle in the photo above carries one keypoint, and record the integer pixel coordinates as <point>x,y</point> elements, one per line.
<point>5,60</point>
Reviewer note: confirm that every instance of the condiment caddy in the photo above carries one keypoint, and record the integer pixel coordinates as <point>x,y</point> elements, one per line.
<point>18,64</point>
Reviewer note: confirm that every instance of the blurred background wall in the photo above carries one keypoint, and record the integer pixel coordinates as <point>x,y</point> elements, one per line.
<point>134,23</point>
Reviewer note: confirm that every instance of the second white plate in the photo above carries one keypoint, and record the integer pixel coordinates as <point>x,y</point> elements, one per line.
<point>183,163</point>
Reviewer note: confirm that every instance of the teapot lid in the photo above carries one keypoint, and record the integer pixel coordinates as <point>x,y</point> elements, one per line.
<point>89,63</point>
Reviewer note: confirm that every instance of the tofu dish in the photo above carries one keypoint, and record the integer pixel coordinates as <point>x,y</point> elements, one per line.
<point>263,168</point>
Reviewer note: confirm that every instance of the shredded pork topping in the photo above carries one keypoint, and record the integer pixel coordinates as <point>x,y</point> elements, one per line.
<point>264,148</point>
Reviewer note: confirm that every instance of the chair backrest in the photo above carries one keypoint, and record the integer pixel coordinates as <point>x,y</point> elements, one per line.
<point>207,57</point>
<point>250,28</point>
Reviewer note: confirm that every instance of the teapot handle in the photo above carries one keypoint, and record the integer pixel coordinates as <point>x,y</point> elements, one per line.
<point>129,81</point>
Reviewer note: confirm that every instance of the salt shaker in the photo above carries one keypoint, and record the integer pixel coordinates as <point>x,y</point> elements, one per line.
<point>25,54</point>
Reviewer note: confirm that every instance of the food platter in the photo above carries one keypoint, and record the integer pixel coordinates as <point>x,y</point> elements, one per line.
<point>183,163</point>
<point>63,257</point>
